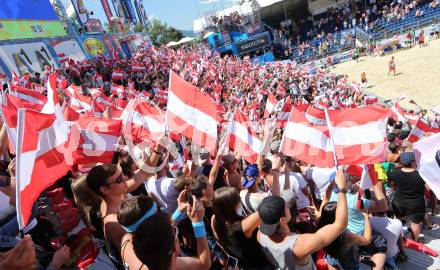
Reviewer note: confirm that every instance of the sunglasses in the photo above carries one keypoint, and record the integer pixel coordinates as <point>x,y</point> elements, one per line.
<point>118,180</point>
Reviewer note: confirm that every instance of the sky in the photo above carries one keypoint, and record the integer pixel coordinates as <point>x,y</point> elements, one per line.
<point>177,13</point>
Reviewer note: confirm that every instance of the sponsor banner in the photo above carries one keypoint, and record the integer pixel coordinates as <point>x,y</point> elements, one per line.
<point>70,48</point>
<point>139,11</point>
<point>342,57</point>
<point>29,19</point>
<point>107,10</point>
<point>253,43</point>
<point>130,11</point>
<point>94,45</point>
<point>94,26</point>
<point>118,8</point>
<point>112,43</point>
<point>27,57</point>
<point>81,11</point>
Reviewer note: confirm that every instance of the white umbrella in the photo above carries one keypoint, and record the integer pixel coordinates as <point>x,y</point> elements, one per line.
<point>172,43</point>
<point>185,39</point>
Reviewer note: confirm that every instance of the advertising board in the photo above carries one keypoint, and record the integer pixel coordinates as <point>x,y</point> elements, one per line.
<point>29,19</point>
<point>27,57</point>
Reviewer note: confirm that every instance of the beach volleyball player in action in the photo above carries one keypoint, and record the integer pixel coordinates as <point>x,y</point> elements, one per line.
<point>392,66</point>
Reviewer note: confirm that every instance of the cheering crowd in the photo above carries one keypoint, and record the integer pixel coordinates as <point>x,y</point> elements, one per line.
<point>179,204</point>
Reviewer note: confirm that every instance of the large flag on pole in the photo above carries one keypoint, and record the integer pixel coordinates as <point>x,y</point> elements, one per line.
<point>243,138</point>
<point>42,158</point>
<point>359,134</point>
<point>427,152</point>
<point>191,113</point>
<point>307,142</point>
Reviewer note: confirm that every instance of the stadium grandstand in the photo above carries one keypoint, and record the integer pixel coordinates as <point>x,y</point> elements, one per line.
<point>308,30</point>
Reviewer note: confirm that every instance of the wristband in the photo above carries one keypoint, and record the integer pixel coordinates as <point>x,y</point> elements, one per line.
<point>199,229</point>
<point>178,216</point>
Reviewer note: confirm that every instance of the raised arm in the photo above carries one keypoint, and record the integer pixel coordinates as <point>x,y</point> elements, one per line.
<point>140,175</point>
<point>381,204</point>
<point>214,170</point>
<point>307,244</point>
<point>364,239</point>
<point>203,259</point>
<point>250,223</point>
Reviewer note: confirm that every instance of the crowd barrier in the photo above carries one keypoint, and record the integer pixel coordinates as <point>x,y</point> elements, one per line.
<point>34,54</point>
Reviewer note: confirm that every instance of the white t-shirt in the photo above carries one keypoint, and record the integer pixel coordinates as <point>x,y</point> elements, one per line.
<point>297,183</point>
<point>320,177</point>
<point>255,199</point>
<point>165,192</point>
<point>390,229</point>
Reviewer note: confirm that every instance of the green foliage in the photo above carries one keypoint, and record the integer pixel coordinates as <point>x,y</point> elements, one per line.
<point>161,33</point>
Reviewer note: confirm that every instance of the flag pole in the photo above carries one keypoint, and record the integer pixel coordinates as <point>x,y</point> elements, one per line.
<point>21,119</point>
<point>330,129</point>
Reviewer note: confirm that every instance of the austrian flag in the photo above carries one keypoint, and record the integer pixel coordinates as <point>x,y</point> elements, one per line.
<point>191,113</point>
<point>359,134</point>
<point>243,138</point>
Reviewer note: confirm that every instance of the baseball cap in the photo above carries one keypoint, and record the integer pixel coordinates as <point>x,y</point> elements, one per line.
<point>250,174</point>
<point>270,211</point>
<point>406,158</point>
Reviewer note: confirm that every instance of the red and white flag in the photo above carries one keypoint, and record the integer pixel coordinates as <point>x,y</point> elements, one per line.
<point>243,138</point>
<point>398,114</point>
<point>419,130</point>
<point>270,104</point>
<point>117,74</point>
<point>142,121</point>
<point>307,142</point>
<point>98,139</point>
<point>118,90</point>
<point>191,113</point>
<point>62,58</point>
<point>366,174</point>
<point>315,116</point>
<point>138,67</point>
<point>78,101</point>
<point>359,134</point>
<point>427,155</point>
<point>44,153</point>
<point>283,114</point>
<point>28,95</point>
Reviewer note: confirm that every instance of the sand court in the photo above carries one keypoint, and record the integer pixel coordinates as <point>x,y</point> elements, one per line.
<point>417,74</point>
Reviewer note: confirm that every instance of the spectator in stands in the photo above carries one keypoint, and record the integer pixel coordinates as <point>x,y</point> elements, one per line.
<point>356,220</point>
<point>391,230</point>
<point>237,235</point>
<point>110,185</point>
<point>289,250</point>
<point>146,227</point>
<point>163,187</point>
<point>409,198</point>
<point>343,252</point>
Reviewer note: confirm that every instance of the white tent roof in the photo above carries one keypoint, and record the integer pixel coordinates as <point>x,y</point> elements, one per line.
<point>172,43</point>
<point>185,39</point>
<point>266,3</point>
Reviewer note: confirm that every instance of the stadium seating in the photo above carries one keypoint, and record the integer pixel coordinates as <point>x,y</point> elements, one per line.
<point>410,21</point>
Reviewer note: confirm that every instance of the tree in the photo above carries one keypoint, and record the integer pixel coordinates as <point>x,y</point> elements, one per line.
<point>161,33</point>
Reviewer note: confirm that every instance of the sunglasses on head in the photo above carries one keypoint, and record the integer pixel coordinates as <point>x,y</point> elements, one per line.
<point>118,180</point>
